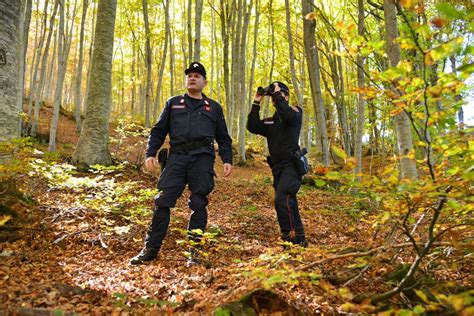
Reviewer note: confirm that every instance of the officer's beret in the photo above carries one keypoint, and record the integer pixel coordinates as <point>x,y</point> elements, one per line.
<point>196,67</point>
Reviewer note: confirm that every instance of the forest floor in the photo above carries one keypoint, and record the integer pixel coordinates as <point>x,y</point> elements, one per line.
<point>72,251</point>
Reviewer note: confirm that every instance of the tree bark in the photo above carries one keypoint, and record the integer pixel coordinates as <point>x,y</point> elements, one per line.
<point>92,147</point>
<point>243,107</point>
<point>64,45</point>
<point>89,66</point>
<point>9,72</point>
<point>36,60</point>
<point>159,86</point>
<point>360,97</point>
<point>312,57</point>
<point>405,144</point>
<point>294,79</point>
<point>190,36</point>
<point>39,87</point>
<point>148,59</point>
<point>197,30</point>
<point>61,38</point>
<point>80,63</point>
<point>225,32</point>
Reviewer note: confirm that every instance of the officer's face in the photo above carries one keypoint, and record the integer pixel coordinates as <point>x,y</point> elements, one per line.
<point>195,81</point>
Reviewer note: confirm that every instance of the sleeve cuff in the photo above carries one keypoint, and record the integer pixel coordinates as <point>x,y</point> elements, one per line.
<point>255,107</point>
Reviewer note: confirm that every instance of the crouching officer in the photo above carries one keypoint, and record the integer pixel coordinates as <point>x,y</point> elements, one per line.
<point>193,122</point>
<point>282,132</point>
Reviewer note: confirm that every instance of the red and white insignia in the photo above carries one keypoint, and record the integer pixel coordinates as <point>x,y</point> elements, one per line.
<point>207,106</point>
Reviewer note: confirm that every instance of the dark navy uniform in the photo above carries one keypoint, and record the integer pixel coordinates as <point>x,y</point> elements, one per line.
<point>192,125</point>
<point>282,132</point>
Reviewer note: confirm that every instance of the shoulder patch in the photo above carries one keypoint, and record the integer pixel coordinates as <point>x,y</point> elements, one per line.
<point>294,108</point>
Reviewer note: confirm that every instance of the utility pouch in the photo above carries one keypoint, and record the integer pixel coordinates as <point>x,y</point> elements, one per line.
<point>300,161</point>
<point>163,158</point>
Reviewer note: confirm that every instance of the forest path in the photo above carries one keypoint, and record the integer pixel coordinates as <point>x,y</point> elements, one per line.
<point>73,258</point>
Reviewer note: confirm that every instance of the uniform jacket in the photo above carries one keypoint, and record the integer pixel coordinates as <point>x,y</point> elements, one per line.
<point>282,130</point>
<point>185,123</point>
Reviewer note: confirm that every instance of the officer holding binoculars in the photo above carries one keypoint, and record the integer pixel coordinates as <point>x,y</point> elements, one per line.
<point>282,132</point>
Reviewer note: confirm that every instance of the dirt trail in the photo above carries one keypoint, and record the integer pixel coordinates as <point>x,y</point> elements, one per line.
<point>71,258</point>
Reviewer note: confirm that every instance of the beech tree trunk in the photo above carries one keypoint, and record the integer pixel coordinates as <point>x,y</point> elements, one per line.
<point>197,30</point>
<point>80,63</point>
<point>148,65</point>
<point>159,86</point>
<point>64,45</point>
<point>312,57</point>
<point>402,122</point>
<point>39,87</point>
<point>9,72</point>
<point>360,97</point>
<point>92,147</point>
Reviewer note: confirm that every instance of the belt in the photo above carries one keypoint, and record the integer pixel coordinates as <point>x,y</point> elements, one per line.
<point>184,148</point>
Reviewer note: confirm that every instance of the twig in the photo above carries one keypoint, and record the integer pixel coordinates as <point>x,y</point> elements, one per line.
<point>102,242</point>
<point>58,240</point>
<point>364,253</point>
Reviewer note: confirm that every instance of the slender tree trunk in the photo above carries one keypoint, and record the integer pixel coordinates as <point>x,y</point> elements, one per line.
<point>10,44</point>
<point>36,61</point>
<point>47,92</point>
<point>225,32</point>
<point>89,66</point>
<point>171,61</point>
<point>80,63</point>
<point>148,59</point>
<point>360,96</point>
<point>92,147</point>
<point>294,79</point>
<point>243,106</point>
<point>254,53</point>
<point>24,30</point>
<point>197,30</point>
<point>236,27</point>
<point>159,86</point>
<point>190,36</point>
<point>59,83</point>
<point>312,56</point>
<point>64,46</point>
<point>405,145</point>
<point>39,87</point>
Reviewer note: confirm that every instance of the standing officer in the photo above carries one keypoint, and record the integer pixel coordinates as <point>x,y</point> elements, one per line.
<point>193,121</point>
<point>282,132</point>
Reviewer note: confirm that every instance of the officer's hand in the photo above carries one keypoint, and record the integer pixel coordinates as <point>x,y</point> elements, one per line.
<point>258,97</point>
<point>277,88</point>
<point>227,169</point>
<point>150,163</point>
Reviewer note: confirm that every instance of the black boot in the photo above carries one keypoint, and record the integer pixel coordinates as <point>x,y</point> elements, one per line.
<point>145,255</point>
<point>301,241</point>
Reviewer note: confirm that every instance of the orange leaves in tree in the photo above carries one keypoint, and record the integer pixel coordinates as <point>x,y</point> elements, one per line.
<point>439,22</point>
<point>311,16</point>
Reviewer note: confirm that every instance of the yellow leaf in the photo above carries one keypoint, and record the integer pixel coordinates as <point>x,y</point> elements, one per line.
<point>423,296</point>
<point>407,3</point>
<point>4,220</point>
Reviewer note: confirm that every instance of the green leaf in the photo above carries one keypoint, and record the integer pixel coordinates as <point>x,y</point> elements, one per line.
<point>448,10</point>
<point>320,183</point>
<point>339,152</point>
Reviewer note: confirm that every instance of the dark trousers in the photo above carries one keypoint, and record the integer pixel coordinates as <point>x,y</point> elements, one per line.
<point>287,183</point>
<point>195,170</point>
